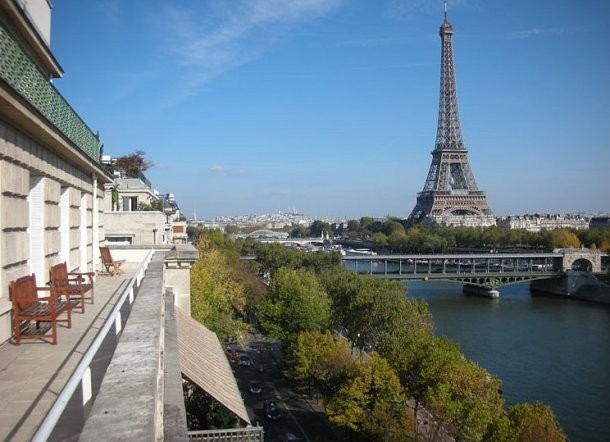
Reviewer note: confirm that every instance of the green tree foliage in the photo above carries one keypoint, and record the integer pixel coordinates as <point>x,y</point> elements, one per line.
<point>434,372</point>
<point>318,227</point>
<point>366,222</point>
<point>203,412</point>
<point>271,257</point>
<point>460,392</point>
<point>600,237</point>
<point>392,226</point>
<point>380,240</point>
<point>371,403</point>
<point>353,225</point>
<point>217,298</point>
<point>153,206</point>
<point>372,309</point>
<point>296,302</point>
<point>438,239</point>
<point>526,423</point>
<point>320,359</point>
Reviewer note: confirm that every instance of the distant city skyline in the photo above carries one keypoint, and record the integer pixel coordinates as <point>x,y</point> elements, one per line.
<point>330,106</point>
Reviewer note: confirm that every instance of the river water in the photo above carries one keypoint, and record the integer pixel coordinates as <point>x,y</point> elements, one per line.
<point>552,349</point>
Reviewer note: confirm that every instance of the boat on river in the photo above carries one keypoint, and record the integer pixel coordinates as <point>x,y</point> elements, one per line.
<point>359,252</point>
<point>487,292</point>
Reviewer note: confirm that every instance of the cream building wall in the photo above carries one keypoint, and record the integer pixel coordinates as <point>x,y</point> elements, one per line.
<point>49,213</point>
<point>135,228</point>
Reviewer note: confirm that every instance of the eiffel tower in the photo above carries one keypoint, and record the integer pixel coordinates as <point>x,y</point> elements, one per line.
<point>450,191</point>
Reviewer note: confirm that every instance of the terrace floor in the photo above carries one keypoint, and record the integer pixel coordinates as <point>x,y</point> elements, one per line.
<point>33,374</point>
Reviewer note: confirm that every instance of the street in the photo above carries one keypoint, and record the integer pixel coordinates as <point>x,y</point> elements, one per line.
<point>301,417</point>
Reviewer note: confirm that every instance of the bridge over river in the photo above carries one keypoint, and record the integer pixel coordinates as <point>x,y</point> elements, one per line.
<point>487,270</point>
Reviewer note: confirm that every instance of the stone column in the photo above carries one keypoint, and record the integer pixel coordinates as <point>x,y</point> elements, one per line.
<point>177,273</point>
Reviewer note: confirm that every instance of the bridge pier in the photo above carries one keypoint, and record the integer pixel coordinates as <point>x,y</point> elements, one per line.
<point>574,284</point>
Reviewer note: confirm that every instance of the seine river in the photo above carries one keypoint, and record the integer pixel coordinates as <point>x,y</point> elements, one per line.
<point>552,349</point>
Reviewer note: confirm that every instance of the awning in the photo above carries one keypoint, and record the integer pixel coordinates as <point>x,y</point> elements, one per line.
<point>203,361</point>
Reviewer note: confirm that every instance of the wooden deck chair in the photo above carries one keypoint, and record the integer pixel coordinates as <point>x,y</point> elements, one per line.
<point>72,284</point>
<point>113,267</point>
<point>28,307</point>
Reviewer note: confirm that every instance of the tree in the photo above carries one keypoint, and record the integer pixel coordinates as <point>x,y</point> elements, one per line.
<point>466,396</point>
<point>133,164</point>
<point>217,297</point>
<point>371,402</point>
<point>203,412</point>
<point>392,226</point>
<point>318,227</point>
<point>296,302</point>
<point>562,238</point>
<point>535,422</point>
<point>320,359</point>
<point>353,225</point>
<point>380,240</point>
<point>366,222</point>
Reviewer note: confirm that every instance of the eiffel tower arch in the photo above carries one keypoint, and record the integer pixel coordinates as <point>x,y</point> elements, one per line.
<point>450,193</point>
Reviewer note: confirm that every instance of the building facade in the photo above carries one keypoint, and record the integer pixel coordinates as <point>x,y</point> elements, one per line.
<point>539,222</point>
<point>51,178</point>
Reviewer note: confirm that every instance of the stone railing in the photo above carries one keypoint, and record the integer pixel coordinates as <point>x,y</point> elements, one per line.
<point>20,72</point>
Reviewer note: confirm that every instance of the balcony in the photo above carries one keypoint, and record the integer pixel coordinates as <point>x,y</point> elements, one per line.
<point>117,367</point>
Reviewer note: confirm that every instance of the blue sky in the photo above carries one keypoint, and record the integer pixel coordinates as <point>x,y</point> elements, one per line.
<point>330,106</point>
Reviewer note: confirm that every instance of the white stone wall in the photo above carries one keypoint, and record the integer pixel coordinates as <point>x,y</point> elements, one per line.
<point>139,226</point>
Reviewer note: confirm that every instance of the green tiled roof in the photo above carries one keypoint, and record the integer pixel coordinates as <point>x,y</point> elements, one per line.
<point>19,70</point>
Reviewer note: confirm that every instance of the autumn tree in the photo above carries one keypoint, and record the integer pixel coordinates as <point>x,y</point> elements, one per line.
<point>371,402</point>
<point>133,163</point>
<point>460,392</point>
<point>562,238</point>
<point>320,359</point>
<point>526,423</point>
<point>217,297</point>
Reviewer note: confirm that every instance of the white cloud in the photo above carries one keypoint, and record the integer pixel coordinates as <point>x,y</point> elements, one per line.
<point>534,32</point>
<point>222,170</point>
<point>221,36</point>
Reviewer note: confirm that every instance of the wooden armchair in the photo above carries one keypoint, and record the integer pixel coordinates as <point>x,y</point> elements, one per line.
<point>72,284</point>
<point>27,307</point>
<point>113,267</point>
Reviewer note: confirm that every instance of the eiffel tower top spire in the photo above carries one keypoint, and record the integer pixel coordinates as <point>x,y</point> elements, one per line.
<point>448,133</point>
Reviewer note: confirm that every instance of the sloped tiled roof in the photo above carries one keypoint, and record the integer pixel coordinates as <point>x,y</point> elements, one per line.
<point>203,361</point>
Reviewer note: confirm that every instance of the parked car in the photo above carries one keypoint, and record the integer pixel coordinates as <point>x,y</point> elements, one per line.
<point>232,354</point>
<point>272,411</point>
<point>254,387</point>
<point>244,360</point>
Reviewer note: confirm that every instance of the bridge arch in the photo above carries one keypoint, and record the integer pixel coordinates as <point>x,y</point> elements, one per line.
<point>583,265</point>
<point>576,259</point>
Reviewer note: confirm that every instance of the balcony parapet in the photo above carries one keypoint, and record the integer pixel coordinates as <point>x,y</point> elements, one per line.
<point>22,74</point>
<point>140,397</point>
